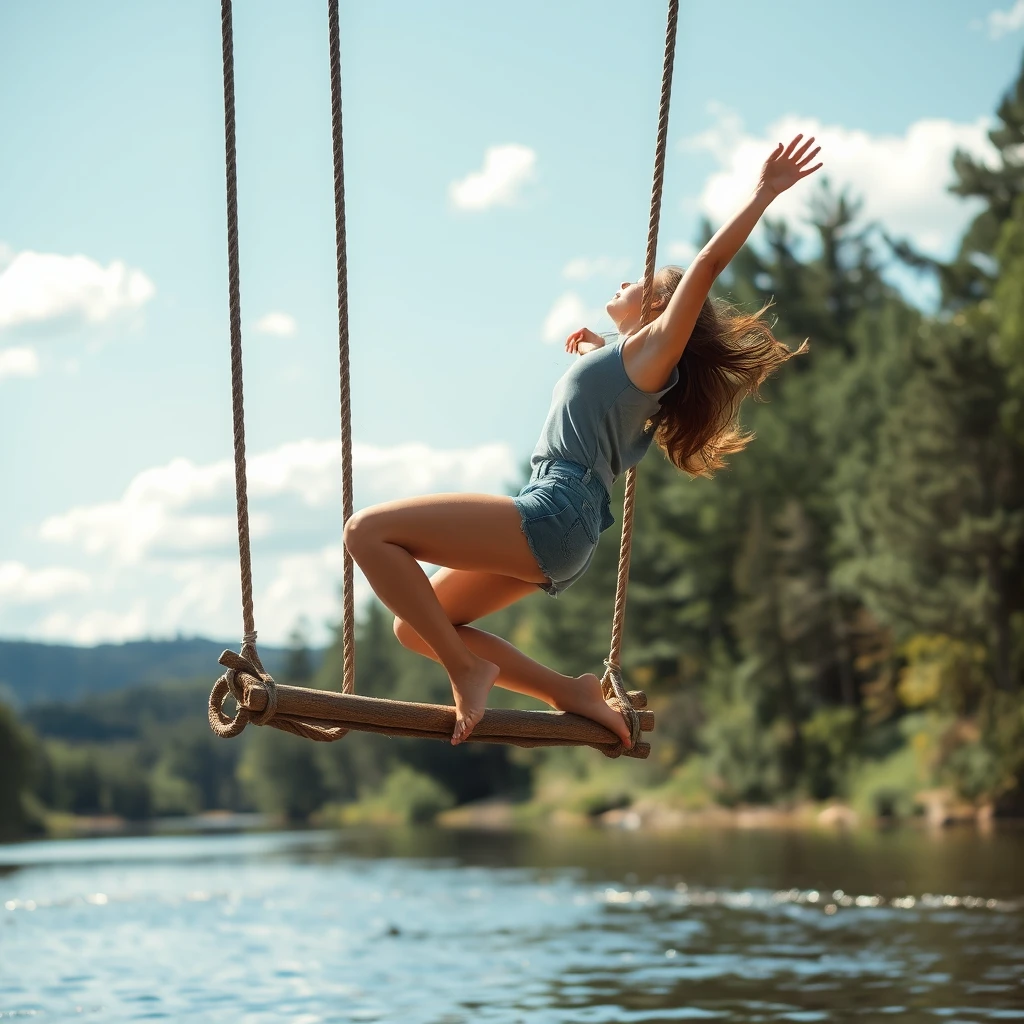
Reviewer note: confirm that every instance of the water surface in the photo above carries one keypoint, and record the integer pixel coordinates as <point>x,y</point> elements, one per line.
<point>442,926</point>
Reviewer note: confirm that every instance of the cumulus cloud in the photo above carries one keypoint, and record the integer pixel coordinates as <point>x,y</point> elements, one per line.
<point>42,287</point>
<point>96,626</point>
<point>282,325</point>
<point>1001,23</point>
<point>310,582</point>
<point>902,178</point>
<point>181,509</point>
<point>583,268</point>
<point>500,182</point>
<point>163,556</point>
<point>681,252</point>
<point>22,585</point>
<point>568,314</point>
<point>18,362</point>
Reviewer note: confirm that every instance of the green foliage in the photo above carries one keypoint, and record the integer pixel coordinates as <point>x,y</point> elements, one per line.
<point>888,788</point>
<point>95,780</point>
<point>18,756</point>
<point>690,786</point>
<point>281,774</point>
<point>408,797</point>
<point>830,744</point>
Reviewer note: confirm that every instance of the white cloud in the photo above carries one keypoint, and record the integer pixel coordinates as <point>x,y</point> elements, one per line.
<point>281,324</point>
<point>1001,23</point>
<point>93,627</point>
<point>309,585</point>
<point>38,287</point>
<point>902,178</point>
<point>681,252</point>
<point>583,268</point>
<point>410,469</point>
<point>18,362</point>
<point>506,170</point>
<point>568,314</point>
<point>163,557</point>
<point>165,510</point>
<point>22,585</point>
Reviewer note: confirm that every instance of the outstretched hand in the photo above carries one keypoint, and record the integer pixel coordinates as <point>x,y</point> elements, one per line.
<point>786,166</point>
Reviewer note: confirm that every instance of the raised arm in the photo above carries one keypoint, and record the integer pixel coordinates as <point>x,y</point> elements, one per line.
<point>658,346</point>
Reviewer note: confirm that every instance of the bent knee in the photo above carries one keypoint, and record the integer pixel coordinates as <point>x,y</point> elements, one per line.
<point>408,637</point>
<point>403,631</point>
<point>358,530</point>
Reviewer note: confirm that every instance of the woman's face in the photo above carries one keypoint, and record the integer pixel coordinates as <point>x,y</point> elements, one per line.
<point>624,306</point>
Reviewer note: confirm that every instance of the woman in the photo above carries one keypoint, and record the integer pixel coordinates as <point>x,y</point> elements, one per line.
<point>678,380</point>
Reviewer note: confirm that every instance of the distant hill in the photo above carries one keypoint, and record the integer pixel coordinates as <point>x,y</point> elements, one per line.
<point>33,673</point>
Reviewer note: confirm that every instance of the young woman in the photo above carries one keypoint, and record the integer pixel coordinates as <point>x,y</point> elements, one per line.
<point>678,380</point>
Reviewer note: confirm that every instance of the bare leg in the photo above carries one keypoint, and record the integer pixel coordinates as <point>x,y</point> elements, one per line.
<point>462,531</point>
<point>466,596</point>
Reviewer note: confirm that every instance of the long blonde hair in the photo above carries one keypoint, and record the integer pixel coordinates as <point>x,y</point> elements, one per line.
<point>729,355</point>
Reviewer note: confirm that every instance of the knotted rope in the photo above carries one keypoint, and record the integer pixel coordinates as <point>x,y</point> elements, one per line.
<point>612,684</point>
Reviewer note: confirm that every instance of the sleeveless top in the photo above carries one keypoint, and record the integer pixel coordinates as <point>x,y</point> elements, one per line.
<point>597,416</point>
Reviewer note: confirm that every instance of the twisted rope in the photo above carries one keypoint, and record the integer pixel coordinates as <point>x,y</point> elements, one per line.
<point>245,669</point>
<point>235,314</point>
<point>612,683</point>
<point>348,614</point>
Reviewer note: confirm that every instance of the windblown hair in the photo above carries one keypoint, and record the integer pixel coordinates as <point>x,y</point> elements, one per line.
<point>728,357</point>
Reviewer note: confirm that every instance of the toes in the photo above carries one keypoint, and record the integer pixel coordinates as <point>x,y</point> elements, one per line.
<point>463,727</point>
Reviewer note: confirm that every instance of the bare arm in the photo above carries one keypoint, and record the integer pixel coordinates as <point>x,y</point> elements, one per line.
<point>657,347</point>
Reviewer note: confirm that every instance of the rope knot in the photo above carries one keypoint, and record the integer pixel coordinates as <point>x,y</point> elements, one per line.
<point>614,691</point>
<point>242,670</point>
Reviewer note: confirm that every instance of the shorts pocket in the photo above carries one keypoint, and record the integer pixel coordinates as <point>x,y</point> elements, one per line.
<point>590,521</point>
<point>576,545</point>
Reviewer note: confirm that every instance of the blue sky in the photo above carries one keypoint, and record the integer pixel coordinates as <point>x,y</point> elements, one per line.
<point>117,511</point>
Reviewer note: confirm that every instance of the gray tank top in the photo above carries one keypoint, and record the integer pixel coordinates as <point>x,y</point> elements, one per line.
<point>597,416</point>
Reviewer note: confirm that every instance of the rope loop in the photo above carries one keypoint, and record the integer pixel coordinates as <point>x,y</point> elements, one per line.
<point>247,663</point>
<point>614,690</point>
<point>220,723</point>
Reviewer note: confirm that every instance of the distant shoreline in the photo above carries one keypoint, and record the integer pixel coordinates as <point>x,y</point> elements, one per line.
<point>504,815</point>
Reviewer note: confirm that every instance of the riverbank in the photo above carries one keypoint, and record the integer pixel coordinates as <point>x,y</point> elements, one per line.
<point>939,810</point>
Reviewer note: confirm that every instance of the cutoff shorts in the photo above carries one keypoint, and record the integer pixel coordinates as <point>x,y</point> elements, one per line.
<point>564,509</point>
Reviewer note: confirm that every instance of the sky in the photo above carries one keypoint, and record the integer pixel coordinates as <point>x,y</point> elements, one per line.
<point>498,164</point>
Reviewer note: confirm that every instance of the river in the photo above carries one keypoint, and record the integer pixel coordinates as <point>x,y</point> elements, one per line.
<point>446,926</point>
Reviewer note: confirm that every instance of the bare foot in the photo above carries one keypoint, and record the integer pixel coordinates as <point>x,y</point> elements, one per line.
<point>588,700</point>
<point>471,688</point>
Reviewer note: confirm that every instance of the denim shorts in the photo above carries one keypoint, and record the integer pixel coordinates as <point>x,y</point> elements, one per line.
<point>564,509</point>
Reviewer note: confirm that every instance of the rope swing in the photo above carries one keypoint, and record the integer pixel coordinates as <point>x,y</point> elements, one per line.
<point>326,715</point>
